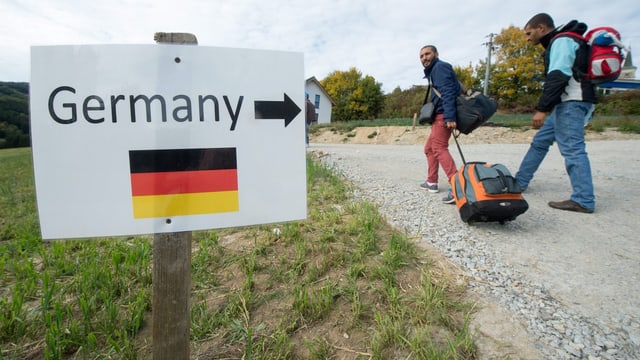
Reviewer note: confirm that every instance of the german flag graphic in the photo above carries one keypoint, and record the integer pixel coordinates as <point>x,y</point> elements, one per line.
<point>182,182</point>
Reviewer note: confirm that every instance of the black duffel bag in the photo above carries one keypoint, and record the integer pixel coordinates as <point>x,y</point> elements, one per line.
<point>473,109</point>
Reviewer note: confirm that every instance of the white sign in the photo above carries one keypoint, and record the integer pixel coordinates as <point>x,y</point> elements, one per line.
<point>138,139</point>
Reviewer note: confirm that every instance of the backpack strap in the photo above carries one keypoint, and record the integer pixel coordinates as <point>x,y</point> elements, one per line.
<point>580,66</point>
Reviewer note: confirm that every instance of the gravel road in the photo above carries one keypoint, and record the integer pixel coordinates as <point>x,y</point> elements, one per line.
<point>569,281</point>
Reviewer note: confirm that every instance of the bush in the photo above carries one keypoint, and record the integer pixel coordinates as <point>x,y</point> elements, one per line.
<point>620,103</point>
<point>523,104</point>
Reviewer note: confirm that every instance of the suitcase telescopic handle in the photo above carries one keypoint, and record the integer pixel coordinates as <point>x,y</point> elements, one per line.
<point>456,133</point>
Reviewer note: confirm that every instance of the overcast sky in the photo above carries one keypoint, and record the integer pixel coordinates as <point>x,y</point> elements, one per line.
<point>381,38</point>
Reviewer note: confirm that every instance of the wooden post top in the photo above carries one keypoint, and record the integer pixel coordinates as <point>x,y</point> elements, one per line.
<point>175,38</point>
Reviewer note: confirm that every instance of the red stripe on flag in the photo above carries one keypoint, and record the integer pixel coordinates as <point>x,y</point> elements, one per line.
<point>184,182</point>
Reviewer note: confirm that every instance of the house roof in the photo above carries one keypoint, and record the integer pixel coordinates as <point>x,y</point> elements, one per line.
<point>315,81</point>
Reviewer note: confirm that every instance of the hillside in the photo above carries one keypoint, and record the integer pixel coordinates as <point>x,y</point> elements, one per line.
<point>14,114</point>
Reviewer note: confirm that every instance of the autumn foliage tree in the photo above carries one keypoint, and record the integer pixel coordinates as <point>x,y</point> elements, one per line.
<point>517,69</point>
<point>466,77</point>
<point>357,97</point>
<point>403,103</point>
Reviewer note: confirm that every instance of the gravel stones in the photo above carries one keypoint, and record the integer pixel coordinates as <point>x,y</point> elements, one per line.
<point>559,332</point>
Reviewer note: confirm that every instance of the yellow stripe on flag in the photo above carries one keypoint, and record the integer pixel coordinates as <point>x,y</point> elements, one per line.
<point>184,204</point>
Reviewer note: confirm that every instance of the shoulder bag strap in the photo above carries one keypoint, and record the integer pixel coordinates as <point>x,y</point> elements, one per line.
<point>427,96</point>
<point>434,89</point>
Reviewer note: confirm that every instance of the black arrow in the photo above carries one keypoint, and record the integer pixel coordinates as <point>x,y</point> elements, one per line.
<point>286,110</point>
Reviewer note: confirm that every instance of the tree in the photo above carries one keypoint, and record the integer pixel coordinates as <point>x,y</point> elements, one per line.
<point>11,136</point>
<point>466,77</point>
<point>356,97</point>
<point>14,114</point>
<point>517,71</point>
<point>403,103</point>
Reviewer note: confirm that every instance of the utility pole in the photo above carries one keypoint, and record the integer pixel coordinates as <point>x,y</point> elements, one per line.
<point>487,70</point>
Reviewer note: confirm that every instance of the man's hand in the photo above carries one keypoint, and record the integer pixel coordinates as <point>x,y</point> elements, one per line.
<point>450,124</point>
<point>538,119</point>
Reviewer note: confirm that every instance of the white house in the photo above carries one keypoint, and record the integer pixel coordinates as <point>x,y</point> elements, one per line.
<point>320,99</point>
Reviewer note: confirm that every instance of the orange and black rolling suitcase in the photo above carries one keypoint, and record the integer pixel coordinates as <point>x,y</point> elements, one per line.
<point>486,192</point>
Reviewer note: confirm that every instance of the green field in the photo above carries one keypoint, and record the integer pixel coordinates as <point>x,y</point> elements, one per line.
<point>340,284</point>
<point>623,123</point>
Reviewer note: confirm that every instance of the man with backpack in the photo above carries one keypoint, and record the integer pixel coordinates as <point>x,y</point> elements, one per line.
<point>567,101</point>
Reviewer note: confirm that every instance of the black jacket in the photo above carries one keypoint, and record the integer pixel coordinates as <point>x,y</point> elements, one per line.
<point>558,86</point>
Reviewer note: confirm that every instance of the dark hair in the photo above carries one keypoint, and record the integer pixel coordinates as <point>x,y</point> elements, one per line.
<point>540,19</point>
<point>433,47</point>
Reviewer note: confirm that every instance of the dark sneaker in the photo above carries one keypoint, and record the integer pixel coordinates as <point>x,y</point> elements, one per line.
<point>449,199</point>
<point>433,188</point>
<point>570,205</point>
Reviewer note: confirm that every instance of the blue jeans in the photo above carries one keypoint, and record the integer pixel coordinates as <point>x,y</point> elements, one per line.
<point>565,125</point>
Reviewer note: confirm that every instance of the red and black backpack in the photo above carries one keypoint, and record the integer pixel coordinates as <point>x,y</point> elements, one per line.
<point>600,56</point>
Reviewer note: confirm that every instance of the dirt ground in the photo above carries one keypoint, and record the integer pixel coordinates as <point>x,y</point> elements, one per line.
<point>408,135</point>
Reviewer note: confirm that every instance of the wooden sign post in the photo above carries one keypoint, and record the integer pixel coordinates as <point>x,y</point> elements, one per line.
<point>171,274</point>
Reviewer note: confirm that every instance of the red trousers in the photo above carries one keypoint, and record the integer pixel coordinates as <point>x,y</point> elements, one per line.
<point>437,151</point>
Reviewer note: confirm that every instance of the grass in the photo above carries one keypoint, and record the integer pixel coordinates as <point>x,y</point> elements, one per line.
<point>623,123</point>
<point>342,284</point>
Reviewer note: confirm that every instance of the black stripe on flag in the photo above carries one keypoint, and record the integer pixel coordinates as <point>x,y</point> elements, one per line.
<point>142,161</point>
